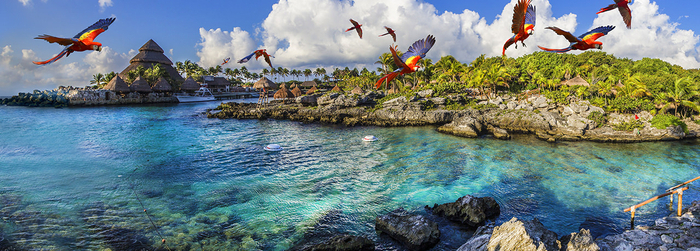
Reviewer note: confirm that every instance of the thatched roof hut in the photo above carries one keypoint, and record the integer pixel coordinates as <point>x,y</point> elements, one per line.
<point>117,84</point>
<point>357,91</point>
<point>162,86</point>
<point>149,54</point>
<point>189,85</point>
<point>296,91</point>
<point>578,80</point>
<point>140,85</point>
<point>283,93</point>
<point>265,83</point>
<point>308,84</point>
<point>312,90</point>
<point>336,89</point>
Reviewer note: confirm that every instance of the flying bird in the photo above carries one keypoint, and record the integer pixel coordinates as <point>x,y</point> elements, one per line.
<point>625,11</point>
<point>389,31</point>
<point>355,26</point>
<point>257,53</point>
<point>523,23</point>
<point>583,42</point>
<point>226,61</point>
<point>83,41</point>
<point>408,62</point>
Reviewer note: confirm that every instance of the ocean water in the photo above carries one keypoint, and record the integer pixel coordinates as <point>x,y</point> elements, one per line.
<point>80,179</point>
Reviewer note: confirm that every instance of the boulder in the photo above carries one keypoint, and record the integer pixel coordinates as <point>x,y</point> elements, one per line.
<point>415,232</point>
<point>523,235</point>
<point>581,241</point>
<point>327,99</point>
<point>426,93</point>
<point>343,101</point>
<point>498,132</point>
<point>480,240</point>
<point>469,210</point>
<point>343,243</point>
<point>465,126</point>
<point>307,100</point>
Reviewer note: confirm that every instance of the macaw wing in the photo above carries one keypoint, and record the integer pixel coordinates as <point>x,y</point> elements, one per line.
<point>530,16</point>
<point>267,59</point>
<point>397,60</point>
<point>609,7</point>
<point>596,33</point>
<point>246,58</point>
<point>91,32</point>
<point>59,40</point>
<point>519,12</point>
<point>354,23</point>
<point>393,35</point>
<point>564,33</point>
<point>626,15</point>
<point>359,31</point>
<point>419,48</point>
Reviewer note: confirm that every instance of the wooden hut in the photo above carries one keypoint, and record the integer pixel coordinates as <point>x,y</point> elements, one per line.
<point>162,86</point>
<point>263,85</point>
<point>296,91</point>
<point>578,80</point>
<point>336,89</point>
<point>117,84</point>
<point>150,54</point>
<point>357,90</point>
<point>312,90</point>
<point>140,85</point>
<point>308,84</point>
<point>283,93</point>
<point>189,85</point>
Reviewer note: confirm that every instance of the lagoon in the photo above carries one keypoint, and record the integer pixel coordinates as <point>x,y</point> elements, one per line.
<point>70,177</point>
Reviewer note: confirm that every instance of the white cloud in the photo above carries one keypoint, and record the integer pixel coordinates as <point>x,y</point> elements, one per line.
<point>25,2</point>
<point>216,45</point>
<point>104,4</point>
<point>19,74</point>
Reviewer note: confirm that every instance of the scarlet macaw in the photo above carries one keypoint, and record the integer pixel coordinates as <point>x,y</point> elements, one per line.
<point>625,11</point>
<point>257,53</point>
<point>583,42</point>
<point>523,23</point>
<point>389,31</point>
<point>226,61</point>
<point>83,41</point>
<point>355,26</point>
<point>409,61</point>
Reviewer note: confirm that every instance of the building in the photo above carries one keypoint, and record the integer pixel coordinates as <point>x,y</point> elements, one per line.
<point>149,54</point>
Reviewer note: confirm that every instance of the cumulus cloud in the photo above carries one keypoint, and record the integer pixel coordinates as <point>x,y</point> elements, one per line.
<point>311,33</point>
<point>19,74</point>
<point>25,2</point>
<point>104,4</point>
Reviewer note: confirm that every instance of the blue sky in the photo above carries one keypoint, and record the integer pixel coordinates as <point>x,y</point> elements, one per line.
<point>310,33</point>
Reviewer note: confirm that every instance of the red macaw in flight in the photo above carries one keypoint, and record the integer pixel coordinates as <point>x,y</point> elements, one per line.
<point>409,61</point>
<point>389,31</point>
<point>257,53</point>
<point>226,61</point>
<point>523,23</point>
<point>83,41</point>
<point>625,11</point>
<point>583,42</point>
<point>355,26</point>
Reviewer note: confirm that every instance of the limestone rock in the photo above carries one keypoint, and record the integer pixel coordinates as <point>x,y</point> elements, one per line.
<point>523,235</point>
<point>581,241</point>
<point>469,210</point>
<point>415,232</point>
<point>343,243</point>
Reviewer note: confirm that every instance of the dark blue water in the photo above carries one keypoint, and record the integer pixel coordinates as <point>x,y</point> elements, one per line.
<point>72,178</point>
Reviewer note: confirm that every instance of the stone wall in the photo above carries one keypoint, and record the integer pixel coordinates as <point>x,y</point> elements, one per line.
<point>72,96</point>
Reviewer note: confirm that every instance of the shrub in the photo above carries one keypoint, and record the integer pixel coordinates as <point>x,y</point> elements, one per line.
<point>599,118</point>
<point>663,121</point>
<point>629,126</point>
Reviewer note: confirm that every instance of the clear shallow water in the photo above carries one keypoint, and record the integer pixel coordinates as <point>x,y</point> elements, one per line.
<point>68,179</point>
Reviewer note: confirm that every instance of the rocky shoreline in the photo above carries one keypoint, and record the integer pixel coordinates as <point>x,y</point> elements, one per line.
<point>72,96</point>
<point>500,116</point>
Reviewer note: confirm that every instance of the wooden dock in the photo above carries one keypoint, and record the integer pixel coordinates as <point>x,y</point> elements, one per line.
<point>235,95</point>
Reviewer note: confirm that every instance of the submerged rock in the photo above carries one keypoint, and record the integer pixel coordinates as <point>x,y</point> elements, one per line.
<point>469,210</point>
<point>415,232</point>
<point>343,243</point>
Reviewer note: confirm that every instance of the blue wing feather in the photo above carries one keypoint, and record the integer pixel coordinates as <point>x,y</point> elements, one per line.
<point>101,24</point>
<point>419,48</point>
<point>530,16</point>
<point>245,59</point>
<point>601,29</point>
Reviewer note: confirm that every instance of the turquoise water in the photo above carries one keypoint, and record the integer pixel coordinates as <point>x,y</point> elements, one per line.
<point>71,179</point>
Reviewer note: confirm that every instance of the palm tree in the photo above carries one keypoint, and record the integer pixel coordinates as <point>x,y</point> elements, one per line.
<point>97,79</point>
<point>496,76</point>
<point>307,73</point>
<point>683,92</point>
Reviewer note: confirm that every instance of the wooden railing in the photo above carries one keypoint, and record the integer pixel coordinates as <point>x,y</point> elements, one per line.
<point>678,189</point>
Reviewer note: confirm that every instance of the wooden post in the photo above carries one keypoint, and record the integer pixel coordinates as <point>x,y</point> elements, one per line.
<point>670,204</point>
<point>680,201</point>
<point>632,219</point>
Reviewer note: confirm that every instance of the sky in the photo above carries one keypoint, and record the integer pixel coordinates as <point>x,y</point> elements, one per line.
<point>307,34</point>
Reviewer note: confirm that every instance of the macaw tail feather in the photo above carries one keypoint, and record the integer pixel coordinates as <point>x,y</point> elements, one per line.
<point>556,50</point>
<point>610,7</point>
<point>508,44</point>
<point>53,59</point>
<point>386,78</point>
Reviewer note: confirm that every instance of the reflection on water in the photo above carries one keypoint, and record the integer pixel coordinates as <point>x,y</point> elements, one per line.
<point>70,179</point>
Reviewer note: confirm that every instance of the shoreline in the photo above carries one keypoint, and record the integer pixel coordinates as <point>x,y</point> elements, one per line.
<point>500,117</point>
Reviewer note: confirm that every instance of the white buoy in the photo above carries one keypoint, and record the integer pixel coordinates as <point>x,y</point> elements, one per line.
<point>369,138</point>
<point>273,148</point>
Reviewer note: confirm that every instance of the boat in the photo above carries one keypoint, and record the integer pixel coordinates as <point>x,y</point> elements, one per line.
<point>369,138</point>
<point>201,95</point>
<point>273,148</point>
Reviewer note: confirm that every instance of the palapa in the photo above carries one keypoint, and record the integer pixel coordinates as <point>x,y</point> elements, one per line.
<point>357,90</point>
<point>264,83</point>
<point>117,84</point>
<point>312,90</point>
<point>162,86</point>
<point>336,89</point>
<point>283,93</point>
<point>189,85</point>
<point>308,84</point>
<point>150,54</point>
<point>140,85</point>
<point>578,80</point>
<point>296,91</point>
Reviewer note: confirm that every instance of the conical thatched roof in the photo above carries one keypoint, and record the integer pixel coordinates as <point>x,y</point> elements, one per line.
<point>312,90</point>
<point>265,83</point>
<point>578,80</point>
<point>117,84</point>
<point>292,86</point>
<point>162,86</point>
<point>189,85</point>
<point>308,84</point>
<point>336,89</point>
<point>357,91</point>
<point>140,85</point>
<point>149,54</point>
<point>296,91</point>
<point>283,93</point>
